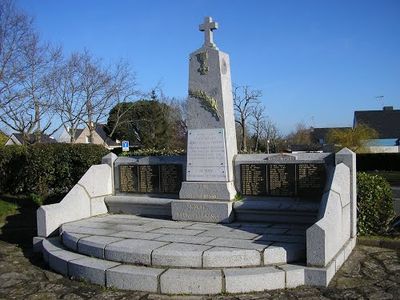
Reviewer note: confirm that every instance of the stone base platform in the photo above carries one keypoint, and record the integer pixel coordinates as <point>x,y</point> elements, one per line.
<point>169,257</point>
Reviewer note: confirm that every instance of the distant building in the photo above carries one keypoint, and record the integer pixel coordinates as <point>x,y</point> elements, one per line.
<point>18,139</point>
<point>319,135</point>
<point>82,136</point>
<point>387,123</point>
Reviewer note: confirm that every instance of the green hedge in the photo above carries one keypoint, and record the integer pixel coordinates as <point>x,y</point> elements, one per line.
<point>45,169</point>
<point>374,204</point>
<point>378,161</point>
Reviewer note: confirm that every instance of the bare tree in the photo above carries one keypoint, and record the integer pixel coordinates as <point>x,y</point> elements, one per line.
<point>66,84</point>
<point>86,92</point>
<point>15,34</point>
<point>257,124</point>
<point>301,135</point>
<point>27,100</point>
<point>245,100</point>
<point>124,92</point>
<point>271,135</point>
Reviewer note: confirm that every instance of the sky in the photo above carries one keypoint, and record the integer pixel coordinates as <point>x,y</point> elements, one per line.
<point>315,61</point>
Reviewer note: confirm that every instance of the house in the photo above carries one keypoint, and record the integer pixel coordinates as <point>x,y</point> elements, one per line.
<point>387,124</point>
<point>319,135</point>
<point>18,139</point>
<point>82,136</point>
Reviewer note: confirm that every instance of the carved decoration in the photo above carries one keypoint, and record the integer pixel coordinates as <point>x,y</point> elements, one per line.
<point>207,102</point>
<point>202,58</point>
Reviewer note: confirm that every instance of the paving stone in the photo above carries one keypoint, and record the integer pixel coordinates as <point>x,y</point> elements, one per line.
<point>185,239</point>
<point>263,230</point>
<point>210,226</point>
<point>281,238</point>
<point>88,230</point>
<point>234,233</point>
<point>171,224</point>
<point>245,280</point>
<point>177,231</point>
<point>179,255</point>
<point>191,281</point>
<point>90,269</point>
<point>231,257</point>
<point>70,239</point>
<point>294,275</point>
<point>244,244</point>
<point>137,228</point>
<point>132,251</point>
<point>94,245</point>
<point>137,235</point>
<point>58,260</point>
<point>137,278</point>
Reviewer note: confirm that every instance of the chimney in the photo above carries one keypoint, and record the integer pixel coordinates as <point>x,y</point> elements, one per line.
<point>388,108</point>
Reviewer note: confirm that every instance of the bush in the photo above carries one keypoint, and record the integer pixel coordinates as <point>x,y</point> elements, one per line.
<point>45,169</point>
<point>375,204</point>
<point>153,152</point>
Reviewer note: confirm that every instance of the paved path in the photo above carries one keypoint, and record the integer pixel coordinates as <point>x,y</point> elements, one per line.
<point>370,273</point>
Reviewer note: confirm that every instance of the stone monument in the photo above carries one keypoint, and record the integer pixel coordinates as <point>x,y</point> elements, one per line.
<point>209,189</point>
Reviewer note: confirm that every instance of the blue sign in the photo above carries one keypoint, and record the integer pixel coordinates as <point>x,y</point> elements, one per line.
<point>125,145</point>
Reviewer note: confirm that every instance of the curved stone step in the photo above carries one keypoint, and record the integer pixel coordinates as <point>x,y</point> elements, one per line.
<point>176,280</point>
<point>158,243</point>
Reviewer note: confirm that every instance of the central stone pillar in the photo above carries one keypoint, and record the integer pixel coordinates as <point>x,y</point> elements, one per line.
<point>209,189</point>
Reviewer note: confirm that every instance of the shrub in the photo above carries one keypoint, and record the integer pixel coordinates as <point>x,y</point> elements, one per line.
<point>375,204</point>
<point>45,169</point>
<point>153,152</point>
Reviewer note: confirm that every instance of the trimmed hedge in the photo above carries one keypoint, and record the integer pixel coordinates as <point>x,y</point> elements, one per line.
<point>378,161</point>
<point>374,204</point>
<point>45,169</point>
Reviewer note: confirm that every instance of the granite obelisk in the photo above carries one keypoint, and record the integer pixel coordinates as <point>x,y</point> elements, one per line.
<point>207,193</point>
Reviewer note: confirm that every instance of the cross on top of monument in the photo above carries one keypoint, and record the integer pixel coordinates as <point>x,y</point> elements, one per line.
<point>208,26</point>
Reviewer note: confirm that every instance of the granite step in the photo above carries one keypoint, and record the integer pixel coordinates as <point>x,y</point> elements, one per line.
<point>177,247</point>
<point>277,210</point>
<point>170,280</point>
<point>143,205</point>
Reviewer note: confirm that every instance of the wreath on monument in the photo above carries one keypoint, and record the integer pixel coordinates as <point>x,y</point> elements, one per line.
<point>207,102</point>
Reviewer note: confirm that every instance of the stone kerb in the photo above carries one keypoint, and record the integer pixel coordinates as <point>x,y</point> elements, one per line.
<point>85,199</point>
<point>326,237</point>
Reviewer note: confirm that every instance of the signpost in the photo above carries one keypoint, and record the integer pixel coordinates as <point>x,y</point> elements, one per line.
<point>125,145</point>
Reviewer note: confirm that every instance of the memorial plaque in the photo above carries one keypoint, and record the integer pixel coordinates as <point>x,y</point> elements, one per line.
<point>128,179</point>
<point>281,157</point>
<point>253,179</point>
<point>311,179</point>
<point>206,155</point>
<point>149,179</point>
<point>282,179</point>
<point>171,178</point>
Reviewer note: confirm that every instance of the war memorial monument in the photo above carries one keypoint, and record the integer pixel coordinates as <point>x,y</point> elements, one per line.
<point>174,224</point>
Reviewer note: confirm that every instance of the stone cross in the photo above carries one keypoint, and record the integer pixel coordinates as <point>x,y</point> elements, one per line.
<point>208,26</point>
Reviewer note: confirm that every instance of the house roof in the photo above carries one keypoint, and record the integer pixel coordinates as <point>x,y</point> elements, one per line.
<point>44,138</point>
<point>386,122</point>
<point>320,133</point>
<point>101,131</point>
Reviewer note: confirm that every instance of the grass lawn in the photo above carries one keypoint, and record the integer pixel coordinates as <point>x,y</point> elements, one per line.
<point>392,176</point>
<point>7,209</point>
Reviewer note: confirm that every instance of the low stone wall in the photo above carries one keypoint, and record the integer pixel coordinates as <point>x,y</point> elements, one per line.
<point>337,214</point>
<point>85,199</point>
